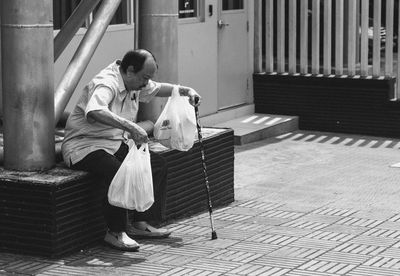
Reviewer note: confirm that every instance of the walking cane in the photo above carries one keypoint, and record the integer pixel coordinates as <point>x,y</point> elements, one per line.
<point>213,233</point>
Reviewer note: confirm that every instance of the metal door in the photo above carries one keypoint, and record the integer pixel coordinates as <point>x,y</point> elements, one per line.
<point>233,30</point>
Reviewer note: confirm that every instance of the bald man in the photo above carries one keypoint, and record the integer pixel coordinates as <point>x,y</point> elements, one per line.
<point>98,130</point>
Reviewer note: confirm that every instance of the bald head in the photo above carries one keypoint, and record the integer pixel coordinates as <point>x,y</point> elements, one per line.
<point>137,59</point>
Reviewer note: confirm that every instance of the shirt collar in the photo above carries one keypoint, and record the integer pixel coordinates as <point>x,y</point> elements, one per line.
<point>121,85</point>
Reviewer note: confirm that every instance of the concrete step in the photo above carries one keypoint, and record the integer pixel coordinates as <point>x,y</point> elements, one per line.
<point>255,127</point>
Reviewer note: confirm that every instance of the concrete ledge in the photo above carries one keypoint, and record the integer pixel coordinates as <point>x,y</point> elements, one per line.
<point>255,127</point>
<point>227,114</point>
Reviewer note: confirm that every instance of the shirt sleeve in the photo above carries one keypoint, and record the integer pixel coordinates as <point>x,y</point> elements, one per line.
<point>100,99</point>
<point>149,91</point>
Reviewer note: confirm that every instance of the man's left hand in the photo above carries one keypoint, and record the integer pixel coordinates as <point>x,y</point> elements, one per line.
<point>194,97</point>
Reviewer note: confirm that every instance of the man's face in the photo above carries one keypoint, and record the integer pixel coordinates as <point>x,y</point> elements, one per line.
<point>136,81</point>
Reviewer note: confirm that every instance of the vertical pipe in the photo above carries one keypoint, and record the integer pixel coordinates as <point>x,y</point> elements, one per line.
<point>351,41</point>
<point>257,37</point>
<point>327,37</point>
<point>158,33</point>
<point>304,36</point>
<point>269,36</point>
<point>315,36</point>
<point>376,51</point>
<point>389,38</point>
<point>27,71</point>
<point>292,36</point>
<point>397,90</point>
<point>280,39</point>
<point>364,37</point>
<point>339,37</point>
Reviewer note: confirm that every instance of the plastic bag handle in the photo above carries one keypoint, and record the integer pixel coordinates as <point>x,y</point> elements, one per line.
<point>175,91</point>
<point>144,147</point>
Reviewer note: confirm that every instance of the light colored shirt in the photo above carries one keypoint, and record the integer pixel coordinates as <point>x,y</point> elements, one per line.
<point>105,91</point>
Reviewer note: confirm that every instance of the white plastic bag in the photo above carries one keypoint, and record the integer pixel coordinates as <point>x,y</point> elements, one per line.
<point>132,185</point>
<point>176,126</point>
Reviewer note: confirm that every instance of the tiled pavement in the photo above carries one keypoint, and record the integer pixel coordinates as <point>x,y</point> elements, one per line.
<point>256,236</point>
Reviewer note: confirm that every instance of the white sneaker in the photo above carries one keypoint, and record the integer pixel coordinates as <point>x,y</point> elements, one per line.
<point>121,241</point>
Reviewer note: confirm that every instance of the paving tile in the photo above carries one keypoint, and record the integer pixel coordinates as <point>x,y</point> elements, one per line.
<point>391,225</point>
<point>190,250</point>
<point>334,211</point>
<point>317,244</point>
<point>363,249</point>
<point>282,214</point>
<point>296,252</point>
<point>240,210</point>
<point>206,223</point>
<point>255,270</point>
<point>190,229</point>
<point>282,262</point>
<point>373,271</point>
<point>272,239</point>
<point>268,221</point>
<point>235,256</point>
<point>170,259</point>
<point>233,234</point>
<point>207,264</point>
<point>289,231</point>
<point>28,266</point>
<point>375,214</point>
<point>328,267</point>
<point>231,217</point>
<point>262,248</point>
<point>386,233</point>
<point>250,225</point>
<point>346,229</point>
<point>298,272</point>
<point>299,207</point>
<point>373,240</point>
<point>306,224</point>
<point>391,252</point>
<point>260,205</point>
<point>144,269</point>
<point>343,257</point>
<point>330,236</point>
<point>362,222</point>
<point>322,218</point>
<point>219,243</point>
<point>395,218</point>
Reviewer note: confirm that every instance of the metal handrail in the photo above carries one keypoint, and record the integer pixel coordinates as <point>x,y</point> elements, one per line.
<point>82,56</point>
<point>74,22</point>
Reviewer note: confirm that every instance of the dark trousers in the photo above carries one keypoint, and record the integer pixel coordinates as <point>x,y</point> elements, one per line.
<point>105,166</point>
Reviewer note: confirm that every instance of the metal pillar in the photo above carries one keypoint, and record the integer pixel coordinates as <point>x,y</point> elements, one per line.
<point>158,33</point>
<point>28,92</point>
<point>83,54</point>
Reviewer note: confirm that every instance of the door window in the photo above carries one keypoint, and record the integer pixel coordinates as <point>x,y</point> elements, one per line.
<point>187,8</point>
<point>228,5</point>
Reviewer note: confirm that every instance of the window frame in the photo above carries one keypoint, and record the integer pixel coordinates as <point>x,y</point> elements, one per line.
<point>132,7</point>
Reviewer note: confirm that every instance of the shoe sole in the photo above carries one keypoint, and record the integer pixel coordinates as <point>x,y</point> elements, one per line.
<point>127,249</point>
<point>155,236</point>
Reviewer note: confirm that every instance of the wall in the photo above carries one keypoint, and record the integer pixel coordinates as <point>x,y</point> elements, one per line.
<point>334,104</point>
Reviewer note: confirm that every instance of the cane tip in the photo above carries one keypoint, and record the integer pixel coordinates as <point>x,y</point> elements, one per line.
<point>214,235</point>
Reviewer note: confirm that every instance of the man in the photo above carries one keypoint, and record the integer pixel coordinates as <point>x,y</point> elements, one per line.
<point>98,130</point>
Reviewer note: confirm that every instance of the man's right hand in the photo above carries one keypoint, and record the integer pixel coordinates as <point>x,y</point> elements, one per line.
<point>138,134</point>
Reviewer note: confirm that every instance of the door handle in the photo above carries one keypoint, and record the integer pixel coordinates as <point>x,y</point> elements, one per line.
<point>222,24</point>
